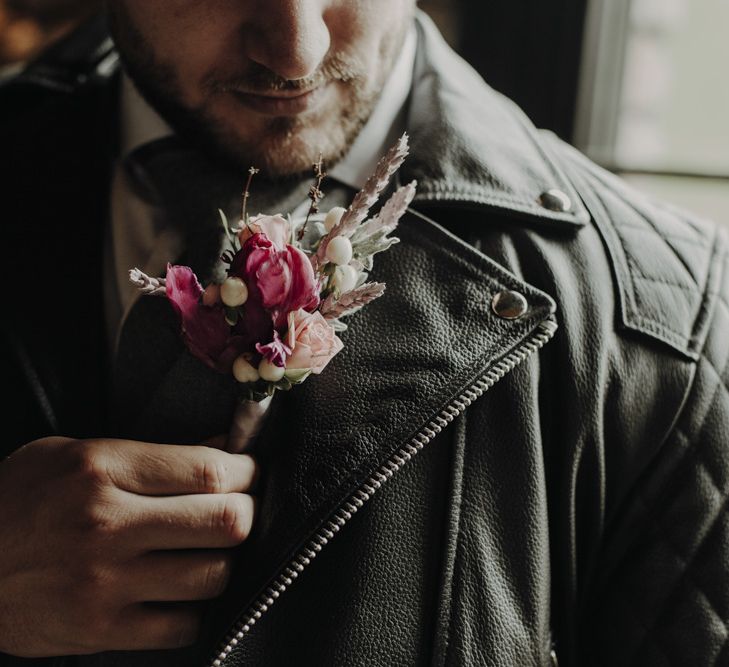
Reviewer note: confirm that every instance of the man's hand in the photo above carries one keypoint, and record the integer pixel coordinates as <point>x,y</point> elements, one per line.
<point>106,544</point>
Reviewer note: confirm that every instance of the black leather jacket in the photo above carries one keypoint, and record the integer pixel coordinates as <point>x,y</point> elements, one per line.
<point>522,447</point>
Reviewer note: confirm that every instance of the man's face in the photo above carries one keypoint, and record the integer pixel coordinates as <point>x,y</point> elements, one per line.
<point>269,83</point>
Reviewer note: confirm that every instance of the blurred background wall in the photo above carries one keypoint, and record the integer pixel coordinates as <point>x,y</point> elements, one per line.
<point>641,86</point>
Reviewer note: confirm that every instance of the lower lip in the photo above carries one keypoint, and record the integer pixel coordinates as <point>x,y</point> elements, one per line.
<point>280,106</point>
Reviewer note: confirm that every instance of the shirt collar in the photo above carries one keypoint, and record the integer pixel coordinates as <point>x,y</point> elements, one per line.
<point>385,124</point>
<point>139,123</point>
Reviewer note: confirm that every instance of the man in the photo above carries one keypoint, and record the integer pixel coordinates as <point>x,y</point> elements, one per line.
<point>518,458</point>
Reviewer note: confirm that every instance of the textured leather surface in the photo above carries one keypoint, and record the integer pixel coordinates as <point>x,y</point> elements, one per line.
<point>370,597</point>
<point>380,392</point>
<point>581,500</point>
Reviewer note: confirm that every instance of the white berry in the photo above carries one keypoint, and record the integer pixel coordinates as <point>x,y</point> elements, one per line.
<point>333,218</point>
<point>339,250</point>
<point>244,371</point>
<point>233,292</point>
<point>345,278</point>
<point>269,371</point>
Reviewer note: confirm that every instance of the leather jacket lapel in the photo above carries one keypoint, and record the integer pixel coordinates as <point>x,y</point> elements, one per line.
<point>408,358</point>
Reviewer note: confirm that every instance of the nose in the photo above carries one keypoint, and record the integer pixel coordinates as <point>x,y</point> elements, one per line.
<point>289,37</point>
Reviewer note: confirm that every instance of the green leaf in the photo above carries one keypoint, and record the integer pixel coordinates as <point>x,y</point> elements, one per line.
<point>253,391</point>
<point>372,246</point>
<point>226,226</point>
<point>337,325</point>
<point>297,375</point>
<point>284,384</point>
<point>232,315</point>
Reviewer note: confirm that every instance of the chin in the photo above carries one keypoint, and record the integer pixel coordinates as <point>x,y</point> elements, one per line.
<point>297,153</point>
<point>288,147</point>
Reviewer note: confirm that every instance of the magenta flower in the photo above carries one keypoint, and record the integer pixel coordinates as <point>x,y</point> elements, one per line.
<point>204,329</point>
<point>276,351</point>
<point>280,280</point>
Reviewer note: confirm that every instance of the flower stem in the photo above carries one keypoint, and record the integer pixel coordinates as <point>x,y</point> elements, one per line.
<point>246,193</point>
<point>315,194</point>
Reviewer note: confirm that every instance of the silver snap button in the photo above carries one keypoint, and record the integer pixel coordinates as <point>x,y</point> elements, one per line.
<point>556,200</point>
<point>509,305</point>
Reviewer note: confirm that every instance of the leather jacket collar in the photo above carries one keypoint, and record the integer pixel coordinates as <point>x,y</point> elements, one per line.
<point>472,146</point>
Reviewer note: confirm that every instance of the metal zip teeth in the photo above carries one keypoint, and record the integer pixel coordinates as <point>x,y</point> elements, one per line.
<point>380,476</point>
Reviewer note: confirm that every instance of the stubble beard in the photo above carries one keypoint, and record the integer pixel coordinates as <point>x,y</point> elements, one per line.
<point>288,146</point>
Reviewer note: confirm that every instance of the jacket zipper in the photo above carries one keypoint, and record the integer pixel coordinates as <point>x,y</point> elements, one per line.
<point>344,512</point>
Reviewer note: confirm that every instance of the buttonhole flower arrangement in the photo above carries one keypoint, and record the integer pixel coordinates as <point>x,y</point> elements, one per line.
<point>275,319</point>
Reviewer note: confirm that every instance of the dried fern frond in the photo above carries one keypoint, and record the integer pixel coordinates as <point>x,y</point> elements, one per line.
<point>349,302</point>
<point>146,284</point>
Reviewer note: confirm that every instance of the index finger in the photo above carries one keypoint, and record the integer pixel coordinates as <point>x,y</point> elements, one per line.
<point>152,469</point>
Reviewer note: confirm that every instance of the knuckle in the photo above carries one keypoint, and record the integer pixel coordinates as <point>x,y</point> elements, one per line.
<point>87,462</point>
<point>95,520</point>
<point>209,475</point>
<point>98,519</point>
<point>234,518</point>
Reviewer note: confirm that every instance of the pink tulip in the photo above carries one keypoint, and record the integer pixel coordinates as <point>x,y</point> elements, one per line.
<point>280,280</point>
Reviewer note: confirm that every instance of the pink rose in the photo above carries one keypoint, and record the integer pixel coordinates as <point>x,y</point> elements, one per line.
<point>280,280</point>
<point>312,340</point>
<point>275,227</point>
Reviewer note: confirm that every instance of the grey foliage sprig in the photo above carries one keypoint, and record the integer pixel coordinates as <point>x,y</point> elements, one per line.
<point>372,237</point>
<point>146,284</point>
<point>347,303</point>
<point>389,214</point>
<point>369,247</point>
